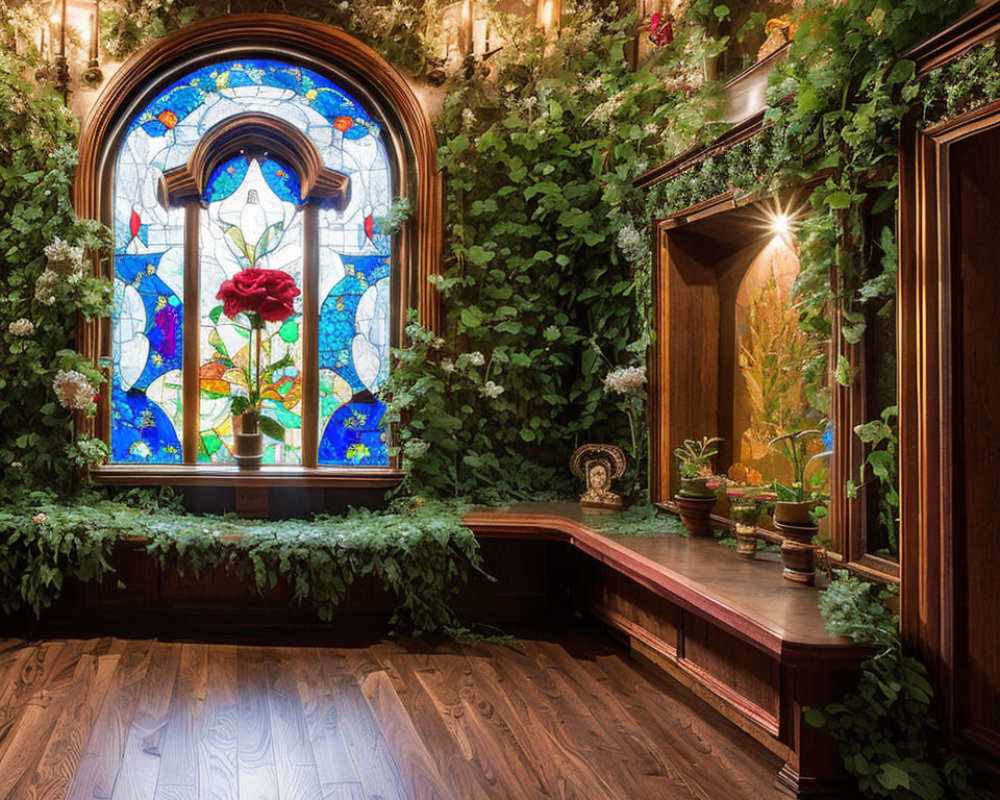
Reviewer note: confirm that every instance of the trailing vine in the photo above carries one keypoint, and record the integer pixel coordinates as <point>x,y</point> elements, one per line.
<point>882,728</point>
<point>421,554</point>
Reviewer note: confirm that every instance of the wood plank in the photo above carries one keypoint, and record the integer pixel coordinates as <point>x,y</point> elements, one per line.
<point>548,732</point>
<point>102,756</point>
<point>67,744</point>
<point>217,728</point>
<point>473,745</point>
<point>368,750</point>
<point>325,724</point>
<point>293,754</point>
<point>27,676</point>
<point>27,737</point>
<point>256,773</point>
<point>177,778</point>
<point>416,765</point>
<point>702,743</point>
<point>140,765</point>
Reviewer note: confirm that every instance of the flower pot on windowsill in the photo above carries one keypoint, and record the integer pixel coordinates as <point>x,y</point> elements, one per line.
<point>799,562</point>
<point>695,502</point>
<point>248,449</point>
<point>791,513</point>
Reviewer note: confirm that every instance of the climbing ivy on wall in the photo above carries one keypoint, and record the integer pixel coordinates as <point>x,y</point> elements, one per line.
<point>43,296</point>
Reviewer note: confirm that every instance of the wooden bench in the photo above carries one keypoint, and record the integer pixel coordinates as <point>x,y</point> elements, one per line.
<point>750,643</point>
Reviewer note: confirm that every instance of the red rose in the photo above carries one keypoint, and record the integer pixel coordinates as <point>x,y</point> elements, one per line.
<point>267,292</point>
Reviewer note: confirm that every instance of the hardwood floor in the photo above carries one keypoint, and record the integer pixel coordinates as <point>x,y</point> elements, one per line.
<point>572,717</point>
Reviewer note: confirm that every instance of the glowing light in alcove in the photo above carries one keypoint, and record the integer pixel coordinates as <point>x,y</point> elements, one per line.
<point>781,224</point>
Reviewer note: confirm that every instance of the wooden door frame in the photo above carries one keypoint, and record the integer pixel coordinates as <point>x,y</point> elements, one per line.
<point>928,338</point>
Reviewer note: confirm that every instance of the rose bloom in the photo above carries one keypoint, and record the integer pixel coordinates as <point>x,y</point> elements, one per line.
<point>38,519</point>
<point>267,292</point>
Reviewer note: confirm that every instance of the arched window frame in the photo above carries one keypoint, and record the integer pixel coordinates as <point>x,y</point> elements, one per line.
<point>410,141</point>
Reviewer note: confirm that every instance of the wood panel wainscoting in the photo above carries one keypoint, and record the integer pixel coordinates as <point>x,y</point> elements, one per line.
<point>949,303</point>
<point>749,644</point>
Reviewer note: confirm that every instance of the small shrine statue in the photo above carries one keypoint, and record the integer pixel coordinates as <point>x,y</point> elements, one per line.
<point>598,465</point>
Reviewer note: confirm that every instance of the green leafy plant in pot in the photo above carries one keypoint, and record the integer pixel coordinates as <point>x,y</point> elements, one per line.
<point>263,296</point>
<point>699,485</point>
<point>798,507</point>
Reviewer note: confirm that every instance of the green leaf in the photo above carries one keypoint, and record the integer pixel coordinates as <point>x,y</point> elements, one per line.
<point>271,429</point>
<point>289,332</point>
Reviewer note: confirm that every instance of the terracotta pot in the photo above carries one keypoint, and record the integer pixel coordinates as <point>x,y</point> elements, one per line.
<point>803,534</point>
<point>793,513</point>
<point>746,540</point>
<point>249,449</point>
<point>800,562</point>
<point>695,513</point>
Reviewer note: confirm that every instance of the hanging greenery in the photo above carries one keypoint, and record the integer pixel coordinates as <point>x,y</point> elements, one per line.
<point>883,727</point>
<point>420,554</point>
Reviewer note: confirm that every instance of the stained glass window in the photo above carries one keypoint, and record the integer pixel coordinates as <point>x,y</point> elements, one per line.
<point>251,216</point>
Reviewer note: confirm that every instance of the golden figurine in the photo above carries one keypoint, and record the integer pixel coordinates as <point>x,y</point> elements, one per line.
<point>598,465</point>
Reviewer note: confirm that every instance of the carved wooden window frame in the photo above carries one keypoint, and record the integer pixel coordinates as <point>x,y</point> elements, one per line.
<point>411,142</point>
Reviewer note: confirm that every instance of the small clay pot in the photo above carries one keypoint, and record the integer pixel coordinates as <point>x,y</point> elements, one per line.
<point>799,561</point>
<point>248,449</point>
<point>695,513</point>
<point>789,513</point>
<point>803,534</point>
<point>746,540</point>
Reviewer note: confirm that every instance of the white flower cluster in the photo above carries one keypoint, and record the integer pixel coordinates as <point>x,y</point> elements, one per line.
<point>73,390</point>
<point>468,117</point>
<point>476,358</point>
<point>63,258</point>
<point>21,327</point>
<point>632,244</point>
<point>45,287</point>
<point>625,380</point>
<point>438,343</point>
<point>491,390</point>
<point>651,129</point>
<point>593,85</point>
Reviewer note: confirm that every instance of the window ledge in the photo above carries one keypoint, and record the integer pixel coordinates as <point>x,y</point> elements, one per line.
<point>266,476</point>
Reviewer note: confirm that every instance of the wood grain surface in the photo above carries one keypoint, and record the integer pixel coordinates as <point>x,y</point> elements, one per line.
<point>564,716</point>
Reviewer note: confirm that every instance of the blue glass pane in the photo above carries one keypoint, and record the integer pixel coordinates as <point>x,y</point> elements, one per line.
<point>176,102</point>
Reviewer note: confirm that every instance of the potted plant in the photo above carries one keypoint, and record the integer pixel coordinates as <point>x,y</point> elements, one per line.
<point>746,491</point>
<point>797,504</point>
<point>798,507</point>
<point>699,485</point>
<point>263,296</point>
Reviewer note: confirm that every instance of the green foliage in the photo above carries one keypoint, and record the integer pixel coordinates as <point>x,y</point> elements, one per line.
<point>37,161</point>
<point>397,29</point>
<point>882,727</point>
<point>546,261</point>
<point>883,463</point>
<point>969,82</point>
<point>420,555</point>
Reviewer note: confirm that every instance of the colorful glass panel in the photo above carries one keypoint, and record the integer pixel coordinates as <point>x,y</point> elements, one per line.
<point>147,414</point>
<point>254,222</point>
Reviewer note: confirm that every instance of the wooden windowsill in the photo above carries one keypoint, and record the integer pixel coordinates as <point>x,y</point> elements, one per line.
<point>266,476</point>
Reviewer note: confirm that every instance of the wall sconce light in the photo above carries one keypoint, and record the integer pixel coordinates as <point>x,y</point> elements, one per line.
<point>93,76</point>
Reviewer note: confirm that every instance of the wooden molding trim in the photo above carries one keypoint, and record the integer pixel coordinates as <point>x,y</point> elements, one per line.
<point>975,28</point>
<point>738,133</point>
<point>266,476</point>
<point>254,132</point>
<point>407,130</point>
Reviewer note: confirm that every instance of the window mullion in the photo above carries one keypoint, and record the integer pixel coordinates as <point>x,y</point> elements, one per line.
<point>310,335</point>
<point>192,330</point>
